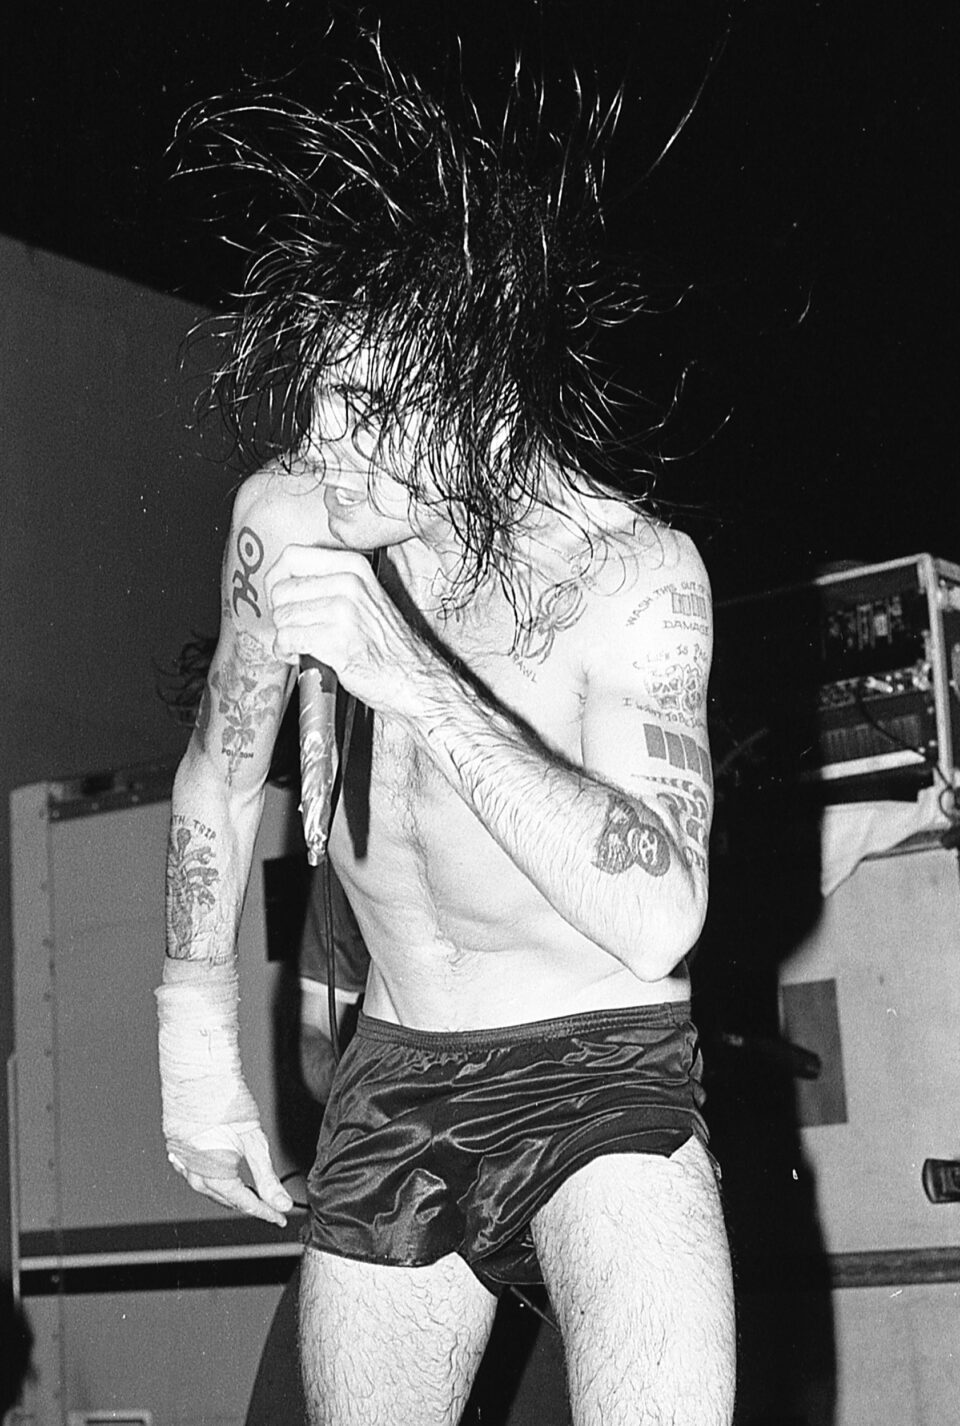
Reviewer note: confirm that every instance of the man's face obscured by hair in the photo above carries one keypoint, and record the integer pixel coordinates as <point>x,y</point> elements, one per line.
<point>372,494</point>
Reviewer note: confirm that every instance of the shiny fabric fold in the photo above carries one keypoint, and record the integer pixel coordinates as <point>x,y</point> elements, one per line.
<point>450,1142</point>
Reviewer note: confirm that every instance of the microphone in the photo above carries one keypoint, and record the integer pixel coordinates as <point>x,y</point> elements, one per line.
<point>317,686</point>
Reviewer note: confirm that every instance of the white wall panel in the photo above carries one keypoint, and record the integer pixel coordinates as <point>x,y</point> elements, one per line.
<point>96,1194</point>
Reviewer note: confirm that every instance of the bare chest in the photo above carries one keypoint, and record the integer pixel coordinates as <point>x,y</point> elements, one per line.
<point>397,793</point>
<point>544,696</point>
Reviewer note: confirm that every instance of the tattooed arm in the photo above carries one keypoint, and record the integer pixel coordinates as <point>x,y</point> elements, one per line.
<point>645,734</point>
<point>210,1120</point>
<point>219,787</point>
<point>600,840</point>
<point>619,846</point>
<point>218,790</point>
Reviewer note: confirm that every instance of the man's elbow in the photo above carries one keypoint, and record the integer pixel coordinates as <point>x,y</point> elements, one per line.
<point>202,778</point>
<point>669,932</point>
<point>197,774</point>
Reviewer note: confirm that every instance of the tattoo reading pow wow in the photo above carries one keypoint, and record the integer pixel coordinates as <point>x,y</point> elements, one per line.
<point>632,838</point>
<point>193,883</point>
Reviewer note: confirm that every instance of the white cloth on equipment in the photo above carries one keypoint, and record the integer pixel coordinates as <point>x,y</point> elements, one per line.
<point>851,831</point>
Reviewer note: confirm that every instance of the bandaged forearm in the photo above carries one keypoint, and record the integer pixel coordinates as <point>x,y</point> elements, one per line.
<point>207,1107</point>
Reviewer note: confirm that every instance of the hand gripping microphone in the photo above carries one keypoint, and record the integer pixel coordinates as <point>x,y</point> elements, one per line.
<point>317,686</point>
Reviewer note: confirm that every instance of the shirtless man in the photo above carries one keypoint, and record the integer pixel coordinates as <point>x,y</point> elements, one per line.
<point>523,842</point>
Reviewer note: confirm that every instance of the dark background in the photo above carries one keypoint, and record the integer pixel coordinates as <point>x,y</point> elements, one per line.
<point>814,176</point>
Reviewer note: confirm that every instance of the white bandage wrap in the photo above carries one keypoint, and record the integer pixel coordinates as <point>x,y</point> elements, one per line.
<point>208,1111</point>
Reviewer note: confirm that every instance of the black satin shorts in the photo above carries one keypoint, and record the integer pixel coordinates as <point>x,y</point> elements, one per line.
<point>437,1143</point>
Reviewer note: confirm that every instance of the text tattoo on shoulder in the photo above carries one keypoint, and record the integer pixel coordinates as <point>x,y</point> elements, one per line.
<point>689,603</point>
<point>192,884</point>
<point>689,600</point>
<point>250,555</point>
<point>632,836</point>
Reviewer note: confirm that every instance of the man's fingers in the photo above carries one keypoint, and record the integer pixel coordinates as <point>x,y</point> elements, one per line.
<point>303,561</point>
<point>268,1186</point>
<point>234,1193</point>
<point>229,1189</point>
<point>238,1196</point>
<point>334,597</point>
<point>208,1187</point>
<point>327,608</point>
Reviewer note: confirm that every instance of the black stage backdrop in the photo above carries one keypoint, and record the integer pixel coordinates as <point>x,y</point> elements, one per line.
<point>804,211</point>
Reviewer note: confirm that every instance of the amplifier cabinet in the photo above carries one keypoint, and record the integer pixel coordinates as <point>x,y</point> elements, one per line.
<point>849,683</point>
<point>874,991</point>
<point>132,1283</point>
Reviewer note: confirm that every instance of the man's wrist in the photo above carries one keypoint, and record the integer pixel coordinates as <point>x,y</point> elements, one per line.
<point>178,971</point>
<point>444,698</point>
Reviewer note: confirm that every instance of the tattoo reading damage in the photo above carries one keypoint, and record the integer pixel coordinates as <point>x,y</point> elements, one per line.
<point>632,837</point>
<point>242,700</point>
<point>689,606</point>
<point>192,884</point>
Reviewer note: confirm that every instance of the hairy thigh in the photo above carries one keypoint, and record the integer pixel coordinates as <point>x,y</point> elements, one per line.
<point>384,1346</point>
<point>634,1253</point>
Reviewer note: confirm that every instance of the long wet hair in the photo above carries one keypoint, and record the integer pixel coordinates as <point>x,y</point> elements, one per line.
<point>457,261</point>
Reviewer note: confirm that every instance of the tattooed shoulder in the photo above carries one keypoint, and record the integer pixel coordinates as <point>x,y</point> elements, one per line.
<point>249,555</point>
<point>560,607</point>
